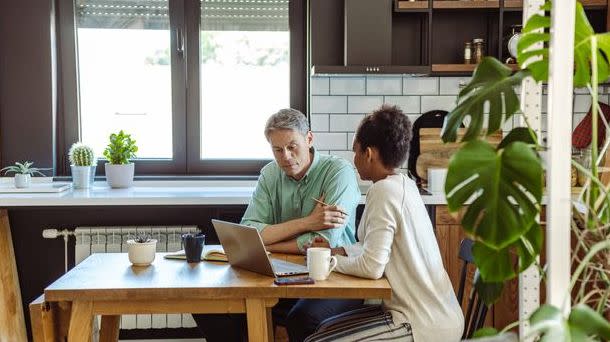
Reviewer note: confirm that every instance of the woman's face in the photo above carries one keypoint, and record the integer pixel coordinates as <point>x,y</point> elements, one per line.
<point>360,160</point>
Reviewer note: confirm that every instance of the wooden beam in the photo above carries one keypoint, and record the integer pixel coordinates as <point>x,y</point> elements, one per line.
<point>109,330</point>
<point>12,321</point>
<point>81,322</point>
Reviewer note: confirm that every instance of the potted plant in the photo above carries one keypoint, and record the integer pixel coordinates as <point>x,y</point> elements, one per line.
<point>141,249</point>
<point>502,186</point>
<point>23,173</point>
<point>119,170</point>
<point>82,163</point>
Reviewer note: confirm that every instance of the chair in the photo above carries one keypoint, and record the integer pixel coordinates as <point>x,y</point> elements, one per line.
<point>476,311</point>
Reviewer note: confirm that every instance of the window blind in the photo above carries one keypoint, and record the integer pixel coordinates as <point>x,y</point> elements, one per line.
<point>216,15</point>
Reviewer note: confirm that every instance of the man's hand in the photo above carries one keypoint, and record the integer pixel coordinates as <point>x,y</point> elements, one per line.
<point>325,216</point>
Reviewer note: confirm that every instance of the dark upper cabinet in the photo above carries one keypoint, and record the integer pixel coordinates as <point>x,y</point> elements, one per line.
<point>414,37</point>
<point>368,32</point>
<point>366,36</point>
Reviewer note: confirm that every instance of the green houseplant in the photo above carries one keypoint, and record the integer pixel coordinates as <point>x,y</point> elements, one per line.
<point>502,186</point>
<point>120,150</point>
<point>82,164</point>
<point>23,173</point>
<point>141,249</point>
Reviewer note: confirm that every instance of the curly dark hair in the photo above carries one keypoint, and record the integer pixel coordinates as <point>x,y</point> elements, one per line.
<point>389,130</point>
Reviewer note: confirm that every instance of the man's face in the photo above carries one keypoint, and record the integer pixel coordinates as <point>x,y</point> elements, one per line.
<point>291,151</point>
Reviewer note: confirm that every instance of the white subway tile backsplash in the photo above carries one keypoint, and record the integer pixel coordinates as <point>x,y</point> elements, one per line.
<point>319,122</point>
<point>429,103</point>
<point>319,86</point>
<point>408,104</point>
<point>582,103</point>
<point>452,85</point>
<point>350,140</point>
<point>420,86</point>
<point>347,155</point>
<point>412,118</point>
<point>384,85</point>
<point>363,104</point>
<point>347,86</point>
<point>328,104</point>
<point>344,123</point>
<point>330,141</point>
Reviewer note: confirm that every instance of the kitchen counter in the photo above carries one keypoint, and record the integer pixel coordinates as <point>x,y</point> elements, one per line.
<point>156,193</point>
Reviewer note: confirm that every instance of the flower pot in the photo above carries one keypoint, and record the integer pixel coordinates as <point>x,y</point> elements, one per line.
<point>141,253</point>
<point>22,180</point>
<point>119,176</point>
<point>82,176</point>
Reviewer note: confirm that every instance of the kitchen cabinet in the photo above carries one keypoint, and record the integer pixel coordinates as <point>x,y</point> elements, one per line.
<point>414,37</point>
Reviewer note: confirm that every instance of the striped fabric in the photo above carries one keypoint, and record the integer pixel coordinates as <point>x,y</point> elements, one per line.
<point>370,323</point>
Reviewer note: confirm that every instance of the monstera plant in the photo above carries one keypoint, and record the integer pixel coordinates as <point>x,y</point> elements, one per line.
<point>500,187</point>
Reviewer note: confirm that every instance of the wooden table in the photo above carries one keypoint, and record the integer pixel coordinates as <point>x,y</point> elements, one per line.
<point>108,285</point>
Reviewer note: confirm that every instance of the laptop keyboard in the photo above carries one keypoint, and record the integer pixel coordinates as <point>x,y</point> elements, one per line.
<point>282,267</point>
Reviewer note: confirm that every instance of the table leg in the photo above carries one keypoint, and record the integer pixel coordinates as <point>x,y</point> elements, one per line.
<point>12,321</point>
<point>256,313</point>
<point>270,330</point>
<point>55,320</point>
<point>109,331</point>
<point>81,322</point>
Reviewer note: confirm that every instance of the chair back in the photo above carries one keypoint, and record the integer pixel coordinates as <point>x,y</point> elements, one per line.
<point>476,310</point>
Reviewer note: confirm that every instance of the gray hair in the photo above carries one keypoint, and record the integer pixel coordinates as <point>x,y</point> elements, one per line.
<point>287,118</point>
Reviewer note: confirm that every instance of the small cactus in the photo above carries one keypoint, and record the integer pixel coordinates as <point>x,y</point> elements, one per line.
<point>142,238</point>
<point>81,155</point>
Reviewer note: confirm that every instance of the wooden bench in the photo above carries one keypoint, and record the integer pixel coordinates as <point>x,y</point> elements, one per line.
<point>36,308</point>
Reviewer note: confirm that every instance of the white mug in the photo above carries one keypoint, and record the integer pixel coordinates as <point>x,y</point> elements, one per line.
<point>436,179</point>
<point>320,263</point>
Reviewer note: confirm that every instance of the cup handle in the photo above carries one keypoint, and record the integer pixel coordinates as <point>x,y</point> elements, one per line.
<point>333,264</point>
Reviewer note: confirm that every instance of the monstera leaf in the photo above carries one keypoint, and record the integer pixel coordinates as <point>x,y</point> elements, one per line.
<point>505,187</point>
<point>583,324</point>
<point>492,85</point>
<point>497,266</point>
<point>536,59</point>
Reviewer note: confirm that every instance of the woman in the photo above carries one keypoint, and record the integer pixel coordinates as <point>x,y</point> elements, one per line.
<point>396,240</point>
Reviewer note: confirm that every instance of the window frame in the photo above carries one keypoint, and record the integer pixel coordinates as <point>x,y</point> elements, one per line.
<point>184,18</point>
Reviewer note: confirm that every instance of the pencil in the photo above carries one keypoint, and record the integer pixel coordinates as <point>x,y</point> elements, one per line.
<point>326,204</point>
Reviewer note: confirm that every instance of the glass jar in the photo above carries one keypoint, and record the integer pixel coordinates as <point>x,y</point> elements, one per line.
<point>479,49</point>
<point>467,53</point>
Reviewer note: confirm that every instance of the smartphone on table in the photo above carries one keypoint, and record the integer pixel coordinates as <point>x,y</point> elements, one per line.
<point>293,281</point>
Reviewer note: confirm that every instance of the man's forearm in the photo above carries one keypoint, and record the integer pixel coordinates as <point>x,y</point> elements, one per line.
<point>289,247</point>
<point>280,232</point>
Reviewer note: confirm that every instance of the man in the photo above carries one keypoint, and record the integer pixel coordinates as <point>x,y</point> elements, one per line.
<point>284,207</point>
<point>285,211</point>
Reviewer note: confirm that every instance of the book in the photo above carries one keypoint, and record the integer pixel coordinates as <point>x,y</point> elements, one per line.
<point>207,255</point>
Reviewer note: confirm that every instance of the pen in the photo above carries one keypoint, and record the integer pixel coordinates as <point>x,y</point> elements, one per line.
<point>326,204</point>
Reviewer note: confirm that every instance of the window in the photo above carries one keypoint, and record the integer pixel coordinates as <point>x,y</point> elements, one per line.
<point>193,82</point>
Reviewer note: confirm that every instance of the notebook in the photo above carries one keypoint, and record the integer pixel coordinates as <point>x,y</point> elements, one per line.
<point>209,255</point>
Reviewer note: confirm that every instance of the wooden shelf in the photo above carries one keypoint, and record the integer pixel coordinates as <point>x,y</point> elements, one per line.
<point>403,5</point>
<point>591,4</point>
<point>462,68</point>
<point>465,4</point>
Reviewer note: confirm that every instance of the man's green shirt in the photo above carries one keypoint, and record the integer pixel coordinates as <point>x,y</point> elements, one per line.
<point>279,198</point>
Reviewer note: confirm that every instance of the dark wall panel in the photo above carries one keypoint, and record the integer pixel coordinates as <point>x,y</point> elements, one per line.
<point>27,95</point>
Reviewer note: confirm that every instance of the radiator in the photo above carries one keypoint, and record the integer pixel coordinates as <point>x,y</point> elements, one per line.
<point>91,240</point>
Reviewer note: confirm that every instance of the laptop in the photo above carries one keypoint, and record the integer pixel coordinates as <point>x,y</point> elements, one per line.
<point>245,249</point>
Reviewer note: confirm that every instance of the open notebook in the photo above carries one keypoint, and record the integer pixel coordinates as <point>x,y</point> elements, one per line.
<point>207,255</point>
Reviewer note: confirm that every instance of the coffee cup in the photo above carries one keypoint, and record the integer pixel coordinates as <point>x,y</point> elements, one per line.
<point>193,246</point>
<point>320,263</point>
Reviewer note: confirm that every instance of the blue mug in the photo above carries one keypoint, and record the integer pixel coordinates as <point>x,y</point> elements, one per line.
<point>193,246</point>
